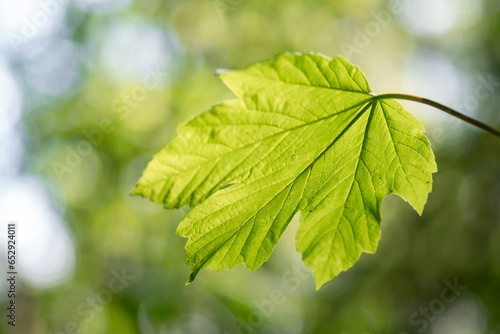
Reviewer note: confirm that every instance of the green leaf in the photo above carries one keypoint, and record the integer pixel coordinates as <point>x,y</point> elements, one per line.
<point>304,134</point>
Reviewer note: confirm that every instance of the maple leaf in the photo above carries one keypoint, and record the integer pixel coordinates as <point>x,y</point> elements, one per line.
<point>304,134</point>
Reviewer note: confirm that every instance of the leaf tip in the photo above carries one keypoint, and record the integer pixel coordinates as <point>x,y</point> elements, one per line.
<point>420,210</point>
<point>136,191</point>
<point>140,189</point>
<point>191,278</point>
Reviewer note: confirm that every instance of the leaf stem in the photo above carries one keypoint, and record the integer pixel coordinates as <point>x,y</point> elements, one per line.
<point>439,106</point>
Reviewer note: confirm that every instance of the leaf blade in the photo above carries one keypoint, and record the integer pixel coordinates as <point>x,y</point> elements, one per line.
<point>304,134</point>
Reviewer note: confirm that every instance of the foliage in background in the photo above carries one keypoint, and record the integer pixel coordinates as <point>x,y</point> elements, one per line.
<point>91,68</point>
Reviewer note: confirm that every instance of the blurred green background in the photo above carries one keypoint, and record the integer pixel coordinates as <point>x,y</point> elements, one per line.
<point>92,89</point>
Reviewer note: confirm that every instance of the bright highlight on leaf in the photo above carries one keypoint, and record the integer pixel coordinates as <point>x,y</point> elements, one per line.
<point>305,134</point>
